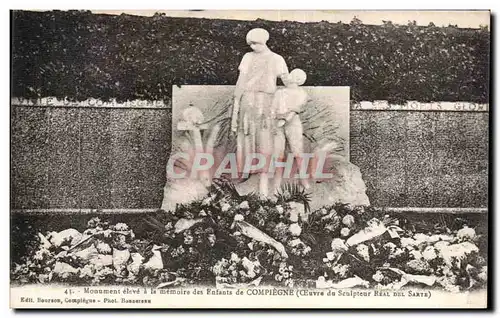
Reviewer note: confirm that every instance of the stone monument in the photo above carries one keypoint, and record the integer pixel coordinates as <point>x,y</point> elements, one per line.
<point>260,136</point>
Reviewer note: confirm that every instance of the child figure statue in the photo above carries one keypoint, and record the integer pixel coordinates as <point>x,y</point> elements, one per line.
<point>287,104</point>
<point>251,118</point>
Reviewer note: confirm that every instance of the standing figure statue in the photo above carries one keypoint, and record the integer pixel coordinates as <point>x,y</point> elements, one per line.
<point>251,117</point>
<point>286,108</point>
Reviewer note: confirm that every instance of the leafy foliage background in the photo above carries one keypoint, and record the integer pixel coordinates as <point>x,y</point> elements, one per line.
<point>77,55</point>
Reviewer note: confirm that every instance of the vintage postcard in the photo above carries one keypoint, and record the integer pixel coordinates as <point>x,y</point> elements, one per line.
<point>249,159</point>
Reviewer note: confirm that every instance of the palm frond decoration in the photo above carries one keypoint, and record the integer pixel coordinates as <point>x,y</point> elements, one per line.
<point>309,239</point>
<point>224,134</point>
<point>154,223</point>
<point>252,197</point>
<point>294,192</point>
<point>220,115</point>
<point>224,188</point>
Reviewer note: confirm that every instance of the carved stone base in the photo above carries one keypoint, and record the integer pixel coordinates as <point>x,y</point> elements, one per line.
<point>346,186</point>
<point>182,191</point>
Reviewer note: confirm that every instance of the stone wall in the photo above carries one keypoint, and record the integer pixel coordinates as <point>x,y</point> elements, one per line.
<point>115,157</point>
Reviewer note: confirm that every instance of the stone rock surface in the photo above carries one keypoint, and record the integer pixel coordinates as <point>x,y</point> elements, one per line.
<point>182,191</point>
<point>346,186</point>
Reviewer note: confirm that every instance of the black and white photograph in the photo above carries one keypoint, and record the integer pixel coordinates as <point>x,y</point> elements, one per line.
<point>318,159</point>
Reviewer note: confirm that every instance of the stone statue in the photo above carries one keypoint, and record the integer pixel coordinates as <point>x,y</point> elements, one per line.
<point>257,117</point>
<point>286,109</point>
<point>251,117</point>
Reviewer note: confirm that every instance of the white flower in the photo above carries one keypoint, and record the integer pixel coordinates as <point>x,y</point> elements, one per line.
<point>235,258</point>
<point>449,284</point>
<point>107,233</point>
<point>378,276</point>
<point>345,232</point>
<point>61,268</point>
<point>103,248</point>
<point>280,209</point>
<point>297,210</point>
<point>135,266</point>
<point>238,217</point>
<point>361,210</point>
<point>457,252</point>
<point>105,271</point>
<point>225,207</point>
<point>441,245</point>
<point>206,201</point>
<point>102,260</point>
<point>429,253</point>
<point>294,216</point>
<point>307,250</point>
<point>44,278</point>
<point>212,239</point>
<point>120,257</point>
<point>348,220</point>
<point>420,238</point>
<point>86,271</point>
<point>40,254</point>
<point>295,229</point>
<point>202,213</point>
<point>338,245</point>
<point>363,251</point>
<point>330,256</point>
<point>121,227</point>
<point>217,269</point>
<point>397,252</point>
<point>323,211</point>
<point>244,205</point>
<point>408,241</point>
<point>340,269</point>
<point>447,271</point>
<point>466,233</point>
<point>391,247</point>
<point>295,242</point>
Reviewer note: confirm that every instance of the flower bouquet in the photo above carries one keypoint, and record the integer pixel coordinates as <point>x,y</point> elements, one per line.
<point>237,272</point>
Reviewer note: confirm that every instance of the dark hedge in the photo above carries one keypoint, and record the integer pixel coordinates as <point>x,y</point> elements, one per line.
<point>77,55</point>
